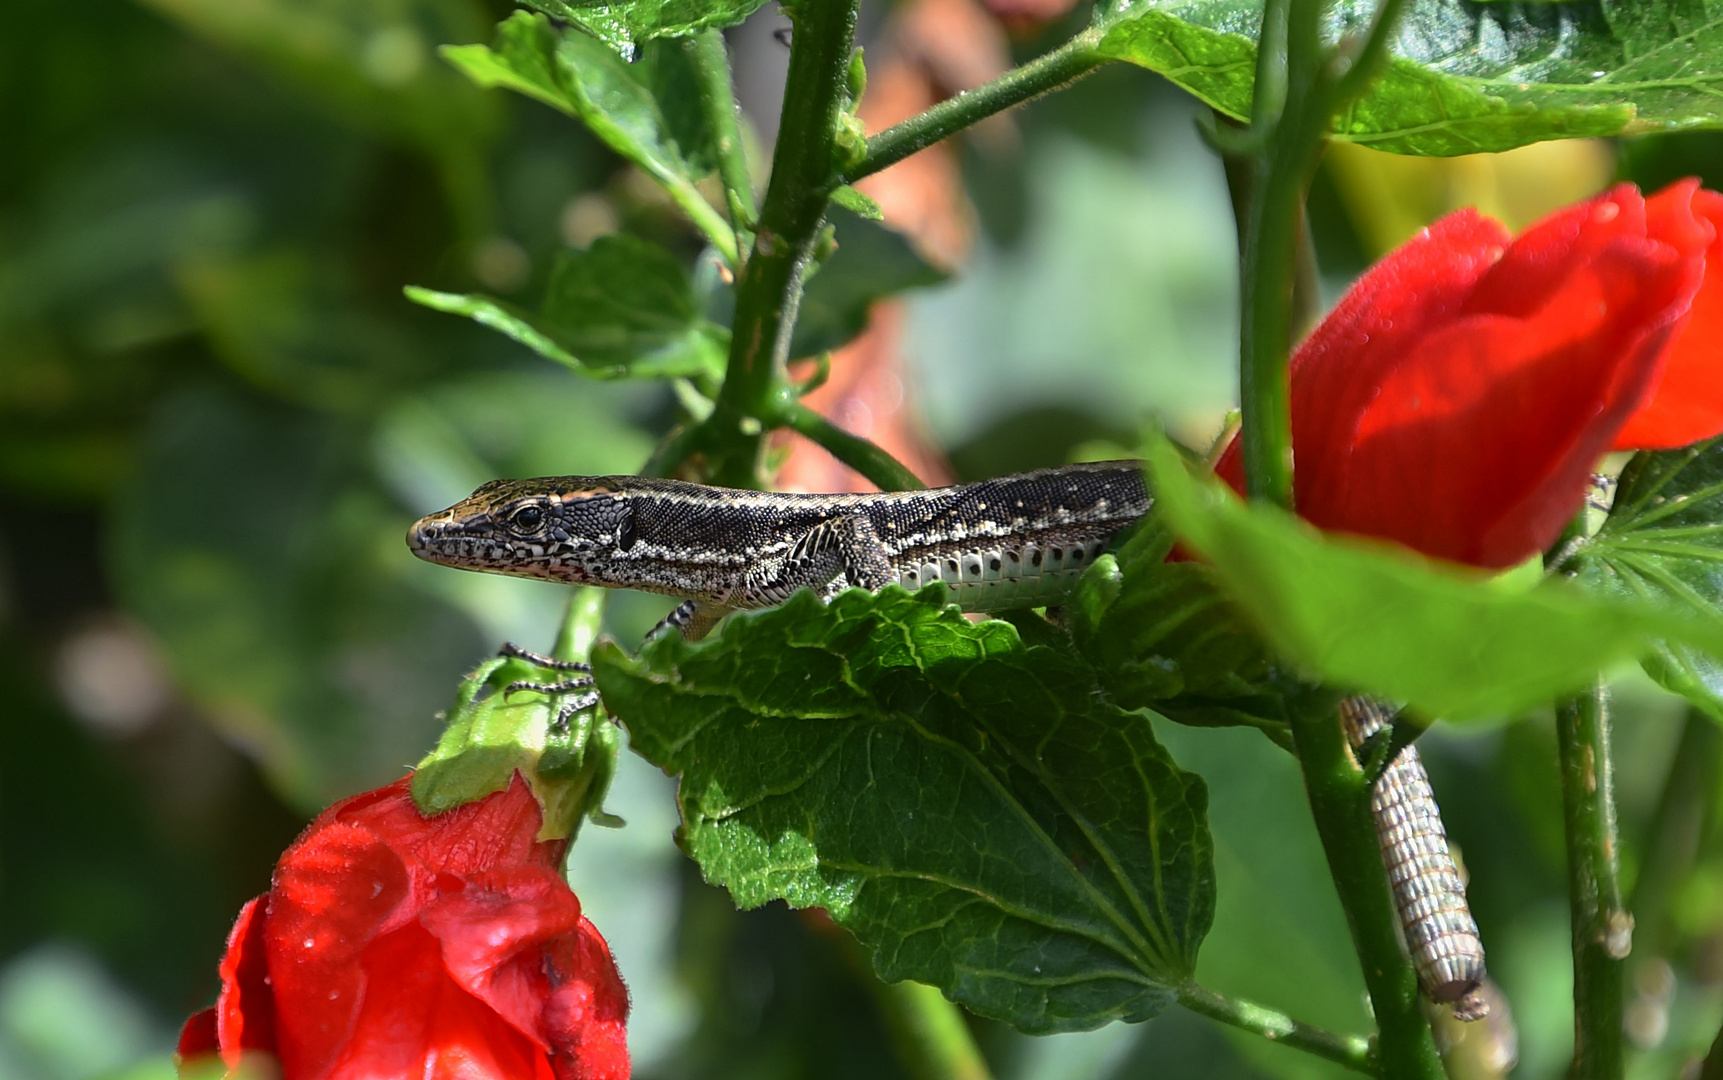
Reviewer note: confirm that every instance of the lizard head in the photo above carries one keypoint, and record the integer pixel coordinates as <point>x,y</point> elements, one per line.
<point>561,528</point>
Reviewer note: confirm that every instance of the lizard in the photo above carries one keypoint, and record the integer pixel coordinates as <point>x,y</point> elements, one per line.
<point>1011,542</point>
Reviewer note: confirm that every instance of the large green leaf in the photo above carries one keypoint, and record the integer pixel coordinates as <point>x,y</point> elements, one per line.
<point>1663,541</point>
<point>625,307</point>
<point>962,800</point>
<point>1465,77</point>
<point>1364,616</point>
<point>574,72</point>
<point>625,24</point>
<point>871,262</point>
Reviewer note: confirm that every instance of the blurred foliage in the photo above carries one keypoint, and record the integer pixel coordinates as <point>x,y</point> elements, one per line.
<point>218,413</point>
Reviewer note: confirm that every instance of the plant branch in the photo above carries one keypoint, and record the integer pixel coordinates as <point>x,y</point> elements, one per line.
<point>1352,1051</point>
<point>581,620</point>
<point>933,1039</point>
<point>1371,57</point>
<point>1066,64</point>
<point>718,99</point>
<point>1602,928</point>
<point>769,288</point>
<point>858,453</point>
<point>1340,801</point>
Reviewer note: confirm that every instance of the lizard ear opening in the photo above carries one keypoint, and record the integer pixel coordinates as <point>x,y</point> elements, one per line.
<point>625,534</point>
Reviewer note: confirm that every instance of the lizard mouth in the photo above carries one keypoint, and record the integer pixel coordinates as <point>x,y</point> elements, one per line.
<point>423,537</point>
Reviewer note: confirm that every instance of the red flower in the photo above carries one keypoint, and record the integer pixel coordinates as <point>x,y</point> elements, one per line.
<point>444,948</point>
<point>1458,397</point>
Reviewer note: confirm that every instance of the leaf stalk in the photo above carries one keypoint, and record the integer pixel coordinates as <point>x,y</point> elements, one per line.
<point>1052,71</point>
<point>1352,1051</point>
<point>718,99</point>
<point>860,454</point>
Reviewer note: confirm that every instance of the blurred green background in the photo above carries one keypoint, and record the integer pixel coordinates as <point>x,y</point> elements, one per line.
<point>218,415</point>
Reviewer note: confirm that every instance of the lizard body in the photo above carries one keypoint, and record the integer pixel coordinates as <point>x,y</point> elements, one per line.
<point>1014,541</point>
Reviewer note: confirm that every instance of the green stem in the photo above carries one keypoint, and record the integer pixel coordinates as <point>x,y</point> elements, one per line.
<point>1602,928</point>
<point>858,453</point>
<point>1340,802</point>
<point>1352,1051</point>
<point>718,99</point>
<point>769,289</point>
<point>581,620</point>
<point>933,1038</point>
<point>1372,56</point>
<point>1066,64</point>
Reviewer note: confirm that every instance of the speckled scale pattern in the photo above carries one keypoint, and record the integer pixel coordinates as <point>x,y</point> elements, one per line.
<point>1436,921</point>
<point>1008,542</point>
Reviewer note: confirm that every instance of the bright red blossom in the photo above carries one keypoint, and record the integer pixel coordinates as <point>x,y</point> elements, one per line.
<point>444,948</point>
<point>1458,397</point>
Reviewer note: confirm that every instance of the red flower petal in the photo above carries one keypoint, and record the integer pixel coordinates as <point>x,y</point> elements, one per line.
<point>416,1021</point>
<point>245,1011</point>
<point>1688,403</point>
<point>498,830</point>
<point>493,933</point>
<point>336,891</point>
<point>197,1037</point>
<point>587,1014</point>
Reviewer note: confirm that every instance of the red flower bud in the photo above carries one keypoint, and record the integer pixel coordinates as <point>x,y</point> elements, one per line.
<point>1458,397</point>
<point>391,944</point>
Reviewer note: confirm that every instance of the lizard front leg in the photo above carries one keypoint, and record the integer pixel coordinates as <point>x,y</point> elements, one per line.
<point>844,552</point>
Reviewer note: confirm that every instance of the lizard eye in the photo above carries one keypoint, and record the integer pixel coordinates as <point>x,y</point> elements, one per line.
<point>527,518</point>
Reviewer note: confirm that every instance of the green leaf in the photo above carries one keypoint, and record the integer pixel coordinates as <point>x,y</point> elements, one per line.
<point>871,262</point>
<point>1369,617</point>
<point>1663,541</point>
<point>962,800</point>
<point>1165,635</point>
<point>623,25</point>
<point>574,72</point>
<point>625,308</point>
<point>1465,77</point>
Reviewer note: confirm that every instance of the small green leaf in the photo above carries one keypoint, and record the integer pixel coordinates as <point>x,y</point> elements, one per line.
<point>574,72</point>
<point>1165,635</point>
<point>1663,541</point>
<point>625,308</point>
<point>962,800</point>
<point>871,263</point>
<point>857,202</point>
<point>1369,617</point>
<point>626,24</point>
<point>1465,77</point>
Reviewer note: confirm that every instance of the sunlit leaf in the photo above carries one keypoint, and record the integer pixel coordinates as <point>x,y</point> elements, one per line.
<point>1364,616</point>
<point>623,308</point>
<point>629,22</point>
<point>574,72</point>
<point>962,800</point>
<point>1663,541</point>
<point>1465,77</point>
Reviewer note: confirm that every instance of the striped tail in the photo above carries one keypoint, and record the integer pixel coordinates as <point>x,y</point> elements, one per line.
<point>1434,918</point>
